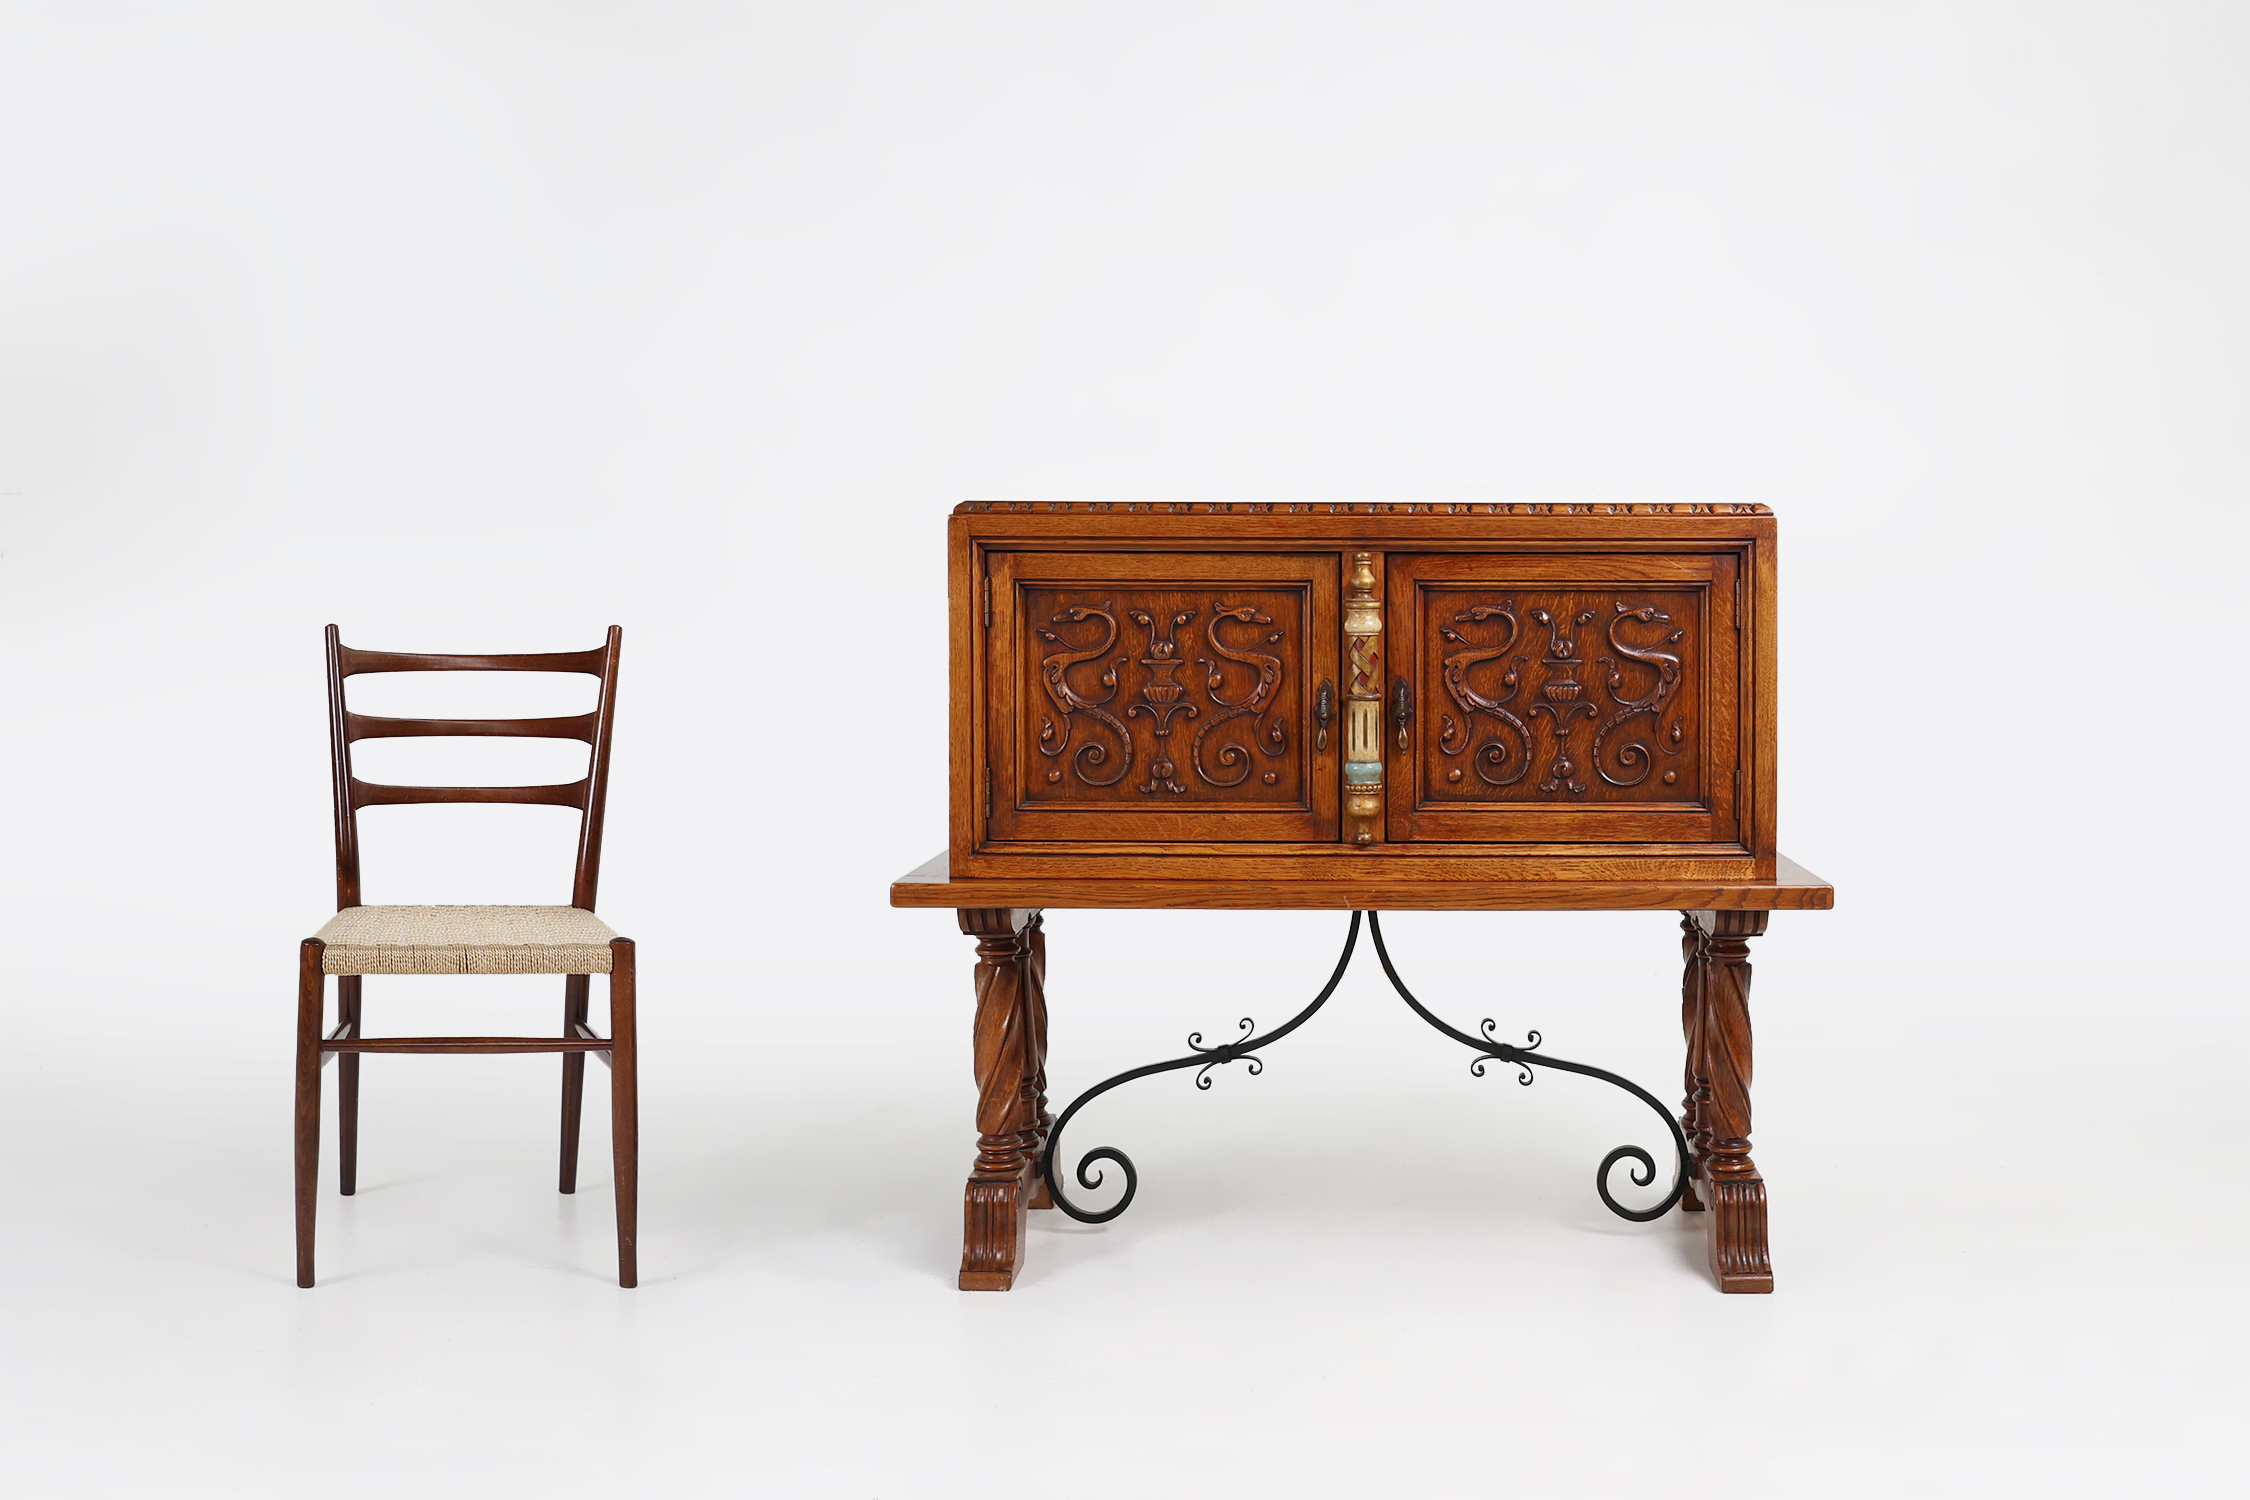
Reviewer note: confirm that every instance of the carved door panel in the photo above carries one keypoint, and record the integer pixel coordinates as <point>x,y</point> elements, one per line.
<point>1139,697</point>
<point>1570,698</point>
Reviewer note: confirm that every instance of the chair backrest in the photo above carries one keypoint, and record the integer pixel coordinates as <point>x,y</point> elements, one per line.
<point>587,794</point>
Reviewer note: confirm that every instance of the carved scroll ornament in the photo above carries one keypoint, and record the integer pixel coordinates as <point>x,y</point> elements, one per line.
<point>1054,673</point>
<point>1163,695</point>
<point>1272,739</point>
<point>1492,757</point>
<point>1632,757</point>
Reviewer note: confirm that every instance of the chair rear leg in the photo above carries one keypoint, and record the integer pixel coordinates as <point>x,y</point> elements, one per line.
<point>310,982</point>
<point>624,1108</point>
<point>347,1089</point>
<point>575,987</point>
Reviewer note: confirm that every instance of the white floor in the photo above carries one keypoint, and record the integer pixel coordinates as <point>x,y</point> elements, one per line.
<point>2007,1250</point>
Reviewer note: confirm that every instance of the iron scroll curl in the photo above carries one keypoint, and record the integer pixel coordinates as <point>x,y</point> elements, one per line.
<point>1203,1059</point>
<point>1525,1059</point>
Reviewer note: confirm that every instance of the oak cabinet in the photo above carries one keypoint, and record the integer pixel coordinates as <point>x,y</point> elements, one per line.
<point>1372,692</point>
<point>1360,709</point>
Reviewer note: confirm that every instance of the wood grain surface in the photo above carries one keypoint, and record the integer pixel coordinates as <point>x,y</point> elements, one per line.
<point>1795,889</point>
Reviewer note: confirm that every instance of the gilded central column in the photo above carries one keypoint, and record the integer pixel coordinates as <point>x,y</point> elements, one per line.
<point>1363,701</point>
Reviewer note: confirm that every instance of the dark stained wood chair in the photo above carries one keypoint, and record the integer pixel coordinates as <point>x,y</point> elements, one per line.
<point>568,940</point>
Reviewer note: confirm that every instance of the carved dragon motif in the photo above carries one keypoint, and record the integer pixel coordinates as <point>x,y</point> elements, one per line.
<point>1634,753</point>
<point>1492,755</point>
<point>1269,683</point>
<point>1054,670</point>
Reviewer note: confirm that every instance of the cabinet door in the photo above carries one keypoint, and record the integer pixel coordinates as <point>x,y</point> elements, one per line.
<point>1569,698</point>
<point>1138,697</point>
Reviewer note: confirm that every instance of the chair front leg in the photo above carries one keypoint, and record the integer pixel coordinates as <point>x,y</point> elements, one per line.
<point>310,983</point>
<point>624,1108</point>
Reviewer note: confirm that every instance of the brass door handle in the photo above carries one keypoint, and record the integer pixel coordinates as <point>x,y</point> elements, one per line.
<point>1402,709</point>
<point>1324,711</point>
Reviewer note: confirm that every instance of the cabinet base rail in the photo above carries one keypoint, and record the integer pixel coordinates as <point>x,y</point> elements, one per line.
<point>1245,1047</point>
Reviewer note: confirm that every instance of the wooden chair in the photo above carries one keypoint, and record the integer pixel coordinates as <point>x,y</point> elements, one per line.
<point>568,940</point>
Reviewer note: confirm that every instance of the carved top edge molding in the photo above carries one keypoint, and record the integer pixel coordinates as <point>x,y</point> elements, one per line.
<point>1354,508</point>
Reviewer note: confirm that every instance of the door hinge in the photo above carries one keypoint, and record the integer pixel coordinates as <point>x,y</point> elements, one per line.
<point>988,601</point>
<point>1737,794</point>
<point>988,789</point>
<point>1737,596</point>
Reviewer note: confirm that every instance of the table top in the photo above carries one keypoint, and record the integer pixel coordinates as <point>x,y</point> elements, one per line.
<point>1795,889</point>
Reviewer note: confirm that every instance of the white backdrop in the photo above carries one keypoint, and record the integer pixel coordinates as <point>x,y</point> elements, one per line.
<point>481,327</point>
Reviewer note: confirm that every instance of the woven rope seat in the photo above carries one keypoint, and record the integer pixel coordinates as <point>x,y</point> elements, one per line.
<point>465,940</point>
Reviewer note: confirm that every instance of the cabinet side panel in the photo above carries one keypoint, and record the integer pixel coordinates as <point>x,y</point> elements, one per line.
<point>1762,829</point>
<point>964,700</point>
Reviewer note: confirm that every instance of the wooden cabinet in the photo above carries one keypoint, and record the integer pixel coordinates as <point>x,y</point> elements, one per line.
<point>1360,708</point>
<point>1369,693</point>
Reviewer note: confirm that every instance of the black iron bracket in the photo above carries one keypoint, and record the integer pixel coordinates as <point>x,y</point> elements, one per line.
<point>1243,1049</point>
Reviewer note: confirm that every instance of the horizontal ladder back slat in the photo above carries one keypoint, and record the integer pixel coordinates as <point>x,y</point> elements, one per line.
<point>565,794</point>
<point>467,1044</point>
<point>373,727</point>
<point>351,662</point>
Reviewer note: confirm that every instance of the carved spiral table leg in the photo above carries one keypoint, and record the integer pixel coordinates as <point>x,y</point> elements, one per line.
<point>1035,1030</point>
<point>1692,1082</point>
<point>1736,1192</point>
<point>999,1188</point>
